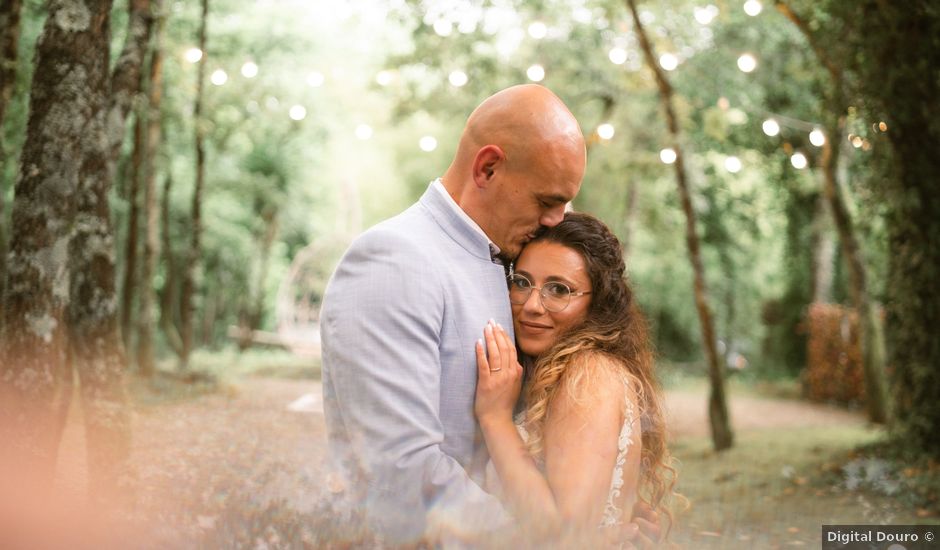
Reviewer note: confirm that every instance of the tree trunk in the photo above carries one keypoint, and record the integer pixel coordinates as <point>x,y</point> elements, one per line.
<point>876,387</point>
<point>630,215</point>
<point>823,254</point>
<point>10,11</point>
<point>722,436</point>
<point>907,95</point>
<point>129,288</point>
<point>126,78</point>
<point>251,319</point>
<point>168,294</point>
<point>94,337</point>
<point>145,325</point>
<point>66,105</point>
<point>195,250</point>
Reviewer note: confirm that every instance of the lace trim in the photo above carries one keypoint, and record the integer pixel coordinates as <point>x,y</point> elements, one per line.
<point>612,513</point>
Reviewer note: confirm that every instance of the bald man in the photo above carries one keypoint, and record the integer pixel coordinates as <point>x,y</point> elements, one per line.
<point>410,298</point>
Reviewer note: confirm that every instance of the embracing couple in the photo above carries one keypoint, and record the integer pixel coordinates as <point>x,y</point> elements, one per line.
<point>485,364</point>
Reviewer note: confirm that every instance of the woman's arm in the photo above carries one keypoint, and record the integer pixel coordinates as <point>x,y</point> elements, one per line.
<point>581,436</point>
<point>498,385</point>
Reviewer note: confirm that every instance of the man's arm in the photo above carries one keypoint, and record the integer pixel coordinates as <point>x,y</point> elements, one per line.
<point>381,326</point>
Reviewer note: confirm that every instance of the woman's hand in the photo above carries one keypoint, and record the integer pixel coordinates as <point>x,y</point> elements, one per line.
<point>499,376</point>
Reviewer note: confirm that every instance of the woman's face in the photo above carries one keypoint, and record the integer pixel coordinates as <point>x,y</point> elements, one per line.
<point>544,262</point>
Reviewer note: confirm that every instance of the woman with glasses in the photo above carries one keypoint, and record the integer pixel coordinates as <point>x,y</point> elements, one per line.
<point>590,441</point>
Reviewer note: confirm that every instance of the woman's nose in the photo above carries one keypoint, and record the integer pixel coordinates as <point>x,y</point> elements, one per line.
<point>534,302</point>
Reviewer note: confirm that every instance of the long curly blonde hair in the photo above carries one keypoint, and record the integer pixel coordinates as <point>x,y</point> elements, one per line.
<point>616,329</point>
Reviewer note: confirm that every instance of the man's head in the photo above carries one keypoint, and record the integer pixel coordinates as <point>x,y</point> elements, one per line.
<point>520,160</point>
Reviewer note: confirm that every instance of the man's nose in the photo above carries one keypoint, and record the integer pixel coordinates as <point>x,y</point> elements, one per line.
<point>553,217</point>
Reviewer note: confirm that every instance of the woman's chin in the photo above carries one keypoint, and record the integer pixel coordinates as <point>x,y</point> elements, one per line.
<point>532,349</point>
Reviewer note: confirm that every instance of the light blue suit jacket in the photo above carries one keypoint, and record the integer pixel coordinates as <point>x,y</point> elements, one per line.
<point>398,325</point>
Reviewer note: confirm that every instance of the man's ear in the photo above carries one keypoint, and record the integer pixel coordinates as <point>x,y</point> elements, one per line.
<point>487,162</point>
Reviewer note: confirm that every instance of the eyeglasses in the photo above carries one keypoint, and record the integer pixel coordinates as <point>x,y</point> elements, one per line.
<point>555,296</point>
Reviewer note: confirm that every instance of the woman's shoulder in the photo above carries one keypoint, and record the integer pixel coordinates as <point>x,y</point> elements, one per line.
<point>596,375</point>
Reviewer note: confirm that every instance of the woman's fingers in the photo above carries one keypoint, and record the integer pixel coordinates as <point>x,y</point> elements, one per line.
<point>492,348</point>
<point>483,366</point>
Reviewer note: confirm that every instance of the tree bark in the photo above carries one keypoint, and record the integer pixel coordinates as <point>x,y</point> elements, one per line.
<point>145,323</point>
<point>722,435</point>
<point>907,96</point>
<point>126,77</point>
<point>94,332</point>
<point>194,256</point>
<point>67,103</point>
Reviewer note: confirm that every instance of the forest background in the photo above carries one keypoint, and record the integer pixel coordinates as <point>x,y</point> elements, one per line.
<point>179,179</point>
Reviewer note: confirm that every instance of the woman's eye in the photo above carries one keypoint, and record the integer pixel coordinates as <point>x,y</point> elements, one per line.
<point>557,290</point>
<point>520,283</point>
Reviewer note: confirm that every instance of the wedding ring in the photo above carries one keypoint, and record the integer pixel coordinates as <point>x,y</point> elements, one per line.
<point>496,370</point>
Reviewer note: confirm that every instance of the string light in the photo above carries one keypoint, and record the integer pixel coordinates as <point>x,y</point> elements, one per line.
<point>427,144</point>
<point>706,15</point>
<point>733,164</point>
<point>249,69</point>
<point>219,77</point>
<point>668,61</point>
<point>363,131</point>
<point>752,7</point>
<point>817,138</point>
<point>617,56</point>
<point>538,30</point>
<point>536,73</point>
<point>798,160</point>
<point>668,155</point>
<point>193,55</point>
<point>384,78</point>
<point>443,27</point>
<point>297,112</point>
<point>747,63</point>
<point>883,126</point>
<point>315,79</point>
<point>457,78</point>
<point>467,25</point>
<point>771,127</point>
<point>857,141</point>
<point>605,130</point>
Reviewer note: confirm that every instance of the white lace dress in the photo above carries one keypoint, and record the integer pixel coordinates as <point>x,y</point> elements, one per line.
<point>612,512</point>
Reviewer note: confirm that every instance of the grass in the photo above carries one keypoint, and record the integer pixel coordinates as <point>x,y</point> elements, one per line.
<point>776,489</point>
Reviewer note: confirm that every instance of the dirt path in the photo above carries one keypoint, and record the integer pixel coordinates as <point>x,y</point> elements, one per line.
<point>263,424</point>
<point>220,469</point>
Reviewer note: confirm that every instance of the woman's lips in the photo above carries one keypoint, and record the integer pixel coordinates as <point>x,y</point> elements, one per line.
<point>536,328</point>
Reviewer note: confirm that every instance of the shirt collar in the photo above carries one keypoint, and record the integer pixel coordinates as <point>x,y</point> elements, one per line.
<point>439,185</point>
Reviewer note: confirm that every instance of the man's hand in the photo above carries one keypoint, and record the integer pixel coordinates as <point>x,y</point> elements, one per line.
<point>643,532</point>
<point>649,531</point>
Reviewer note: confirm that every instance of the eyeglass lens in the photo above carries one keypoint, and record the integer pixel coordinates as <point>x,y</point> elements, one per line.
<point>554,295</point>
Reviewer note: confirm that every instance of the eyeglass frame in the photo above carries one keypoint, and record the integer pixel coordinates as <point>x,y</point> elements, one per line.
<point>532,287</point>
